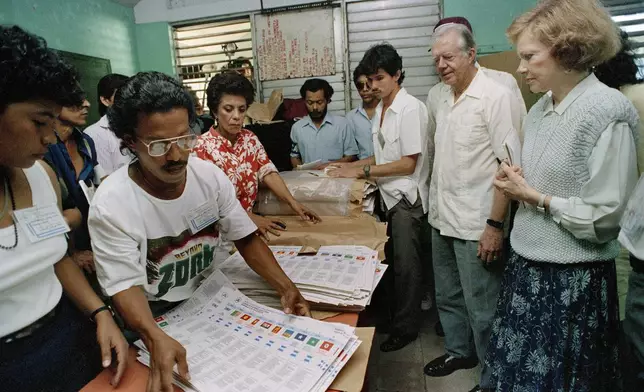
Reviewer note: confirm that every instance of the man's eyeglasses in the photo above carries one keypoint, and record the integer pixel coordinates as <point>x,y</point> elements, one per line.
<point>161,147</point>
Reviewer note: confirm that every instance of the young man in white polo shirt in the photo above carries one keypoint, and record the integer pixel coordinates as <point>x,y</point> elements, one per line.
<point>401,168</point>
<point>156,223</point>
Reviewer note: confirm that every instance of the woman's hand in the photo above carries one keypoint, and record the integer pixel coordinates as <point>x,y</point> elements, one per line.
<point>510,181</point>
<point>84,259</point>
<point>304,212</point>
<point>164,353</point>
<point>294,303</point>
<point>265,226</point>
<point>109,337</point>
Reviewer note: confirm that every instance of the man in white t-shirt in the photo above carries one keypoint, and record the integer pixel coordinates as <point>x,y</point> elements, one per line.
<point>401,169</point>
<point>155,224</point>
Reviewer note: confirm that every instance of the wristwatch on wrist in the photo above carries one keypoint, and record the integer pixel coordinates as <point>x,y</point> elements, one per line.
<point>367,171</point>
<point>495,224</point>
<point>541,206</point>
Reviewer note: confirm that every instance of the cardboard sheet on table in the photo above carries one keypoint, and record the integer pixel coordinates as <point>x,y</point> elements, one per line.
<point>333,230</point>
<point>351,377</point>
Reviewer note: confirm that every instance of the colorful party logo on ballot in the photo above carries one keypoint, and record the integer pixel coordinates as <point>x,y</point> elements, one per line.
<point>235,313</point>
<point>266,325</point>
<point>245,317</point>
<point>276,329</point>
<point>300,336</point>
<point>313,342</point>
<point>159,319</point>
<point>326,346</point>
<point>255,321</point>
<point>288,333</point>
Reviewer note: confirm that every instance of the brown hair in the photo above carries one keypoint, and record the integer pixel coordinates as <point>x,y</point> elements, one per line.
<point>580,33</point>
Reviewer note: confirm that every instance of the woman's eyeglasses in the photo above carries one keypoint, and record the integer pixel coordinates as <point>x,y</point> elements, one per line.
<point>161,147</point>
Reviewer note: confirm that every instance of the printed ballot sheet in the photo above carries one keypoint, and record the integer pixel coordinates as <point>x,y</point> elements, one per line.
<point>342,277</point>
<point>235,344</point>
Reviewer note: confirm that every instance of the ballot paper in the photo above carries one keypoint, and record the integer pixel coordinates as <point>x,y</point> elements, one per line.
<point>337,278</point>
<point>235,344</point>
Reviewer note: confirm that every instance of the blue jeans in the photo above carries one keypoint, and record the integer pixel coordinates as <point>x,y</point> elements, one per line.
<point>466,295</point>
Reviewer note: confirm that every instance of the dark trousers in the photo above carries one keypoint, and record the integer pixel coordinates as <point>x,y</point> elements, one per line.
<point>405,251</point>
<point>61,356</point>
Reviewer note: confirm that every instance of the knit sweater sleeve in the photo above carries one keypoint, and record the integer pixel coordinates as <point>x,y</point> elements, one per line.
<point>594,215</point>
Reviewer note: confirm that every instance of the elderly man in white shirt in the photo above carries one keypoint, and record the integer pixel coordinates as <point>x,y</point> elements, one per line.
<point>401,168</point>
<point>474,125</point>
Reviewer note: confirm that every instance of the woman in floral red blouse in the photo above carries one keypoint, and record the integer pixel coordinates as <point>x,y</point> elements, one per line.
<point>239,153</point>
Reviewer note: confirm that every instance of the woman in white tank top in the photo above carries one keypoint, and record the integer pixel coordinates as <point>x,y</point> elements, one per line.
<point>46,343</point>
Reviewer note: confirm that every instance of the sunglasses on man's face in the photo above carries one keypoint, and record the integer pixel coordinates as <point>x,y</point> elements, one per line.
<point>362,86</point>
<point>161,147</point>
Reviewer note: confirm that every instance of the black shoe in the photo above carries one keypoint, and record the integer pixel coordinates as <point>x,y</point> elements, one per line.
<point>445,365</point>
<point>439,329</point>
<point>396,342</point>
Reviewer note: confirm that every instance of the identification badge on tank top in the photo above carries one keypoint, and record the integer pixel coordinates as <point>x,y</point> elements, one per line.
<point>201,217</point>
<point>41,222</point>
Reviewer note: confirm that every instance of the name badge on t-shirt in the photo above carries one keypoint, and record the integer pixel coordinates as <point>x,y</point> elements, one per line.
<point>41,222</point>
<point>202,217</point>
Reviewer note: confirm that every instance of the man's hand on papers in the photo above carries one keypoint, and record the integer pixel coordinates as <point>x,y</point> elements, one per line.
<point>305,213</point>
<point>109,337</point>
<point>294,303</point>
<point>164,353</point>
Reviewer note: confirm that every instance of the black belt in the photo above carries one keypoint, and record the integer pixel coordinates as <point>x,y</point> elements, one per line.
<point>637,265</point>
<point>29,329</point>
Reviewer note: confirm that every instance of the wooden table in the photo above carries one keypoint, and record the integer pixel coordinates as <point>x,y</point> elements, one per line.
<point>136,376</point>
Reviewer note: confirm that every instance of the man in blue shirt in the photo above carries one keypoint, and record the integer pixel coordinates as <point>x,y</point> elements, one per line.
<point>321,136</point>
<point>360,117</point>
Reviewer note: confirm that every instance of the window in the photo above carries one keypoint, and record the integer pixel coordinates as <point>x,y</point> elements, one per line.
<point>206,49</point>
<point>629,16</point>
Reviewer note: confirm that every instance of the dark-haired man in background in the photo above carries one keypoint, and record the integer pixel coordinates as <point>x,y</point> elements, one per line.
<point>400,166</point>
<point>150,249</point>
<point>108,147</point>
<point>321,136</point>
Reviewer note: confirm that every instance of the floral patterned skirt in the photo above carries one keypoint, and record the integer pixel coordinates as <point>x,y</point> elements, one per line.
<point>556,328</point>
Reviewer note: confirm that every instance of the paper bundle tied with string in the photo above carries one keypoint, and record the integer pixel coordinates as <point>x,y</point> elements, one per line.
<point>264,113</point>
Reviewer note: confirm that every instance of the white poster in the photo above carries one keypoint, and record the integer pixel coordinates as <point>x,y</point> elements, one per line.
<point>295,44</point>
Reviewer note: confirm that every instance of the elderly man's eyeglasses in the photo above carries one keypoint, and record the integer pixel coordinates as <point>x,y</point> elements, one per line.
<point>161,147</point>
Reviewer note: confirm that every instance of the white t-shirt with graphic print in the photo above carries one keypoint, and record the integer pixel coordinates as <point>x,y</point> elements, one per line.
<point>140,240</point>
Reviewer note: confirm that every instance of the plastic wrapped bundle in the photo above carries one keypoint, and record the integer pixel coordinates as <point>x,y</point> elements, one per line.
<point>325,195</point>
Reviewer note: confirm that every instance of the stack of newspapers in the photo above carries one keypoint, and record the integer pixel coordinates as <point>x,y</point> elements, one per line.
<point>237,345</point>
<point>341,278</point>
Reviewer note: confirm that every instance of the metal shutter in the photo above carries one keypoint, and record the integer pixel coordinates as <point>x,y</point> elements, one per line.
<point>629,16</point>
<point>291,87</point>
<point>203,50</point>
<point>405,24</point>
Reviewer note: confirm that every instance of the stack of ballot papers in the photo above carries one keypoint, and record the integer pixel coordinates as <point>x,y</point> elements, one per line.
<point>341,278</point>
<point>237,345</point>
